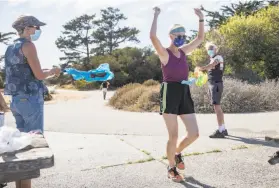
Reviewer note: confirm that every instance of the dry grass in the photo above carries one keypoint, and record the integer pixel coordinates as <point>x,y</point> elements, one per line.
<point>68,86</point>
<point>238,97</point>
<point>136,97</point>
<point>150,83</point>
<point>148,100</point>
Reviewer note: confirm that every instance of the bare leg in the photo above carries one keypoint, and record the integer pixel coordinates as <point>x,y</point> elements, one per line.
<point>190,122</point>
<point>104,94</point>
<point>220,115</point>
<point>23,184</point>
<point>172,126</point>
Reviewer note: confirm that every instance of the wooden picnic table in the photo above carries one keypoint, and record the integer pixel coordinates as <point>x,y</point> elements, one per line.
<point>26,163</point>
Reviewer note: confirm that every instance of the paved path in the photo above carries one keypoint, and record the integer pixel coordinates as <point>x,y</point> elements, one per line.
<point>96,146</point>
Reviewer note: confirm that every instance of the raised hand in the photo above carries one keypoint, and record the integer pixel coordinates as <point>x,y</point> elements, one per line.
<point>199,13</point>
<point>157,11</point>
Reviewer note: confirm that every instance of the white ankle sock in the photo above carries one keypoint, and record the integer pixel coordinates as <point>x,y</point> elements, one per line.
<point>222,128</point>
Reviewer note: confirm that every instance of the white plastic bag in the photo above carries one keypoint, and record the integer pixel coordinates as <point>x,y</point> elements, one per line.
<point>11,139</point>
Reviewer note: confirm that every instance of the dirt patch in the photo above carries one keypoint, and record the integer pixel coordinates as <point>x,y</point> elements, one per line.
<point>67,96</point>
<point>58,97</point>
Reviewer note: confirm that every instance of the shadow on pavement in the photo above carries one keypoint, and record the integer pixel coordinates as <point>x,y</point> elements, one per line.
<point>252,141</point>
<point>191,182</point>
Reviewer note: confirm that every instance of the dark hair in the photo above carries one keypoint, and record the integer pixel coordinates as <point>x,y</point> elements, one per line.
<point>20,31</point>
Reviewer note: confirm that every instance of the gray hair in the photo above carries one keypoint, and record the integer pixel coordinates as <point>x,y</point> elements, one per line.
<point>210,44</point>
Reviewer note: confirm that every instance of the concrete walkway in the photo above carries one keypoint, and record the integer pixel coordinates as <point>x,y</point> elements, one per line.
<point>97,146</point>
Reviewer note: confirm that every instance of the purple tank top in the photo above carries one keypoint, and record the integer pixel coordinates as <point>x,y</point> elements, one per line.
<point>177,69</point>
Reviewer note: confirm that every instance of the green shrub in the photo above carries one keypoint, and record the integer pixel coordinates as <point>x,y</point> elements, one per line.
<point>1,82</point>
<point>248,45</point>
<point>61,80</point>
<point>83,85</point>
<point>2,78</point>
<point>120,79</point>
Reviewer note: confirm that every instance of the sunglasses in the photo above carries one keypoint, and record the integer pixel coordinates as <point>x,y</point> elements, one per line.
<point>37,27</point>
<point>210,48</point>
<point>180,36</point>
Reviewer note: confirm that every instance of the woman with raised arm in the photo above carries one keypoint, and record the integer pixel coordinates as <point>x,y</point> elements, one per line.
<point>176,97</point>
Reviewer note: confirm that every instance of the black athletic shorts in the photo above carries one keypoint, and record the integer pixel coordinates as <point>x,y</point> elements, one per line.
<point>215,91</point>
<point>175,98</point>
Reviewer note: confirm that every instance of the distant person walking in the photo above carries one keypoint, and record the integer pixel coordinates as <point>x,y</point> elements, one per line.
<point>104,88</point>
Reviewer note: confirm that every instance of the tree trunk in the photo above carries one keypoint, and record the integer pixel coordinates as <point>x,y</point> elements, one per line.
<point>87,48</point>
<point>110,41</point>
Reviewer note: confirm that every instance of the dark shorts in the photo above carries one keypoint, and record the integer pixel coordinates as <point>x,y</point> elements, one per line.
<point>175,98</point>
<point>216,91</point>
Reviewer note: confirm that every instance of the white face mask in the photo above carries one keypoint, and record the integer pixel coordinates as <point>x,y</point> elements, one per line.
<point>211,53</point>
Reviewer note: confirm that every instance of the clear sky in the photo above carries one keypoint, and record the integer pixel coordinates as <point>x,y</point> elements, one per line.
<point>139,13</point>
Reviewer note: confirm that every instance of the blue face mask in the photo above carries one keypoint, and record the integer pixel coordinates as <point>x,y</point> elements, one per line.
<point>211,53</point>
<point>36,35</point>
<point>179,41</point>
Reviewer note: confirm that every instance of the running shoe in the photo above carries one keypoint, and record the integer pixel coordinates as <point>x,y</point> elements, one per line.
<point>274,159</point>
<point>217,134</point>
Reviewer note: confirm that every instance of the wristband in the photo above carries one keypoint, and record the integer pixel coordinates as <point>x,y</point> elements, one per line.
<point>202,20</point>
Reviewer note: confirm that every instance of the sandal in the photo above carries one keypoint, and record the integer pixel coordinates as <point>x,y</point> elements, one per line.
<point>174,175</point>
<point>179,162</point>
